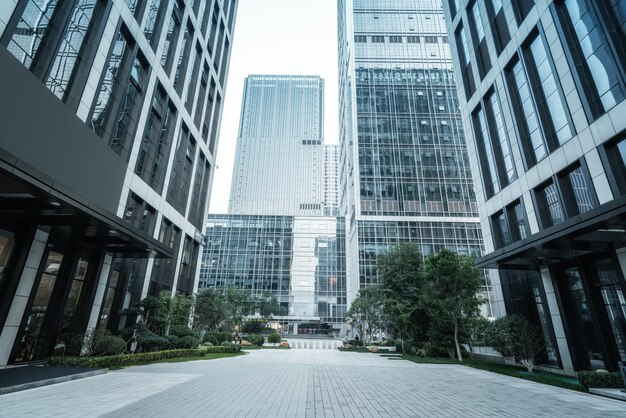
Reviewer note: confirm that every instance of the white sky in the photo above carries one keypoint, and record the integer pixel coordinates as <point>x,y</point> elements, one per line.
<point>276,37</point>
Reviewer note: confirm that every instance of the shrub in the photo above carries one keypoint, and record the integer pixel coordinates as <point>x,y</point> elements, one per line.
<point>257,340</point>
<point>216,337</point>
<point>600,380</point>
<point>207,344</point>
<point>514,336</point>
<point>188,341</point>
<point>356,343</point>
<point>435,351</point>
<point>226,344</point>
<point>274,338</point>
<point>173,342</point>
<point>181,331</point>
<point>346,347</point>
<point>108,345</point>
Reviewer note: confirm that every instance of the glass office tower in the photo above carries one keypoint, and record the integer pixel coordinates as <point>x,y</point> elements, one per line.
<point>542,97</point>
<point>404,170</point>
<point>280,153</point>
<point>109,123</point>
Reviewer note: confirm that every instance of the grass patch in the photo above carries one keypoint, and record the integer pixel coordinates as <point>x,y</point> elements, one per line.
<point>538,376</point>
<point>254,347</point>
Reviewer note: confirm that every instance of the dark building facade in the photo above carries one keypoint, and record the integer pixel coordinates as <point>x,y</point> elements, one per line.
<point>109,118</point>
<point>542,95</point>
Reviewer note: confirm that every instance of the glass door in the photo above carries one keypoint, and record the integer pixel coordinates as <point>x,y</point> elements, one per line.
<point>584,318</point>
<point>34,332</point>
<point>614,302</point>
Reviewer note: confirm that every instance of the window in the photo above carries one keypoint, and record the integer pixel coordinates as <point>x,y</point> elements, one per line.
<point>214,25</point>
<point>49,40</point>
<point>199,192</point>
<point>191,84</point>
<point>517,220</point>
<point>465,61</point>
<point>430,39</point>
<point>360,38</point>
<point>579,196</point>
<point>171,39</point>
<point>454,7</point>
<point>615,152</point>
<point>478,36</point>
<point>549,204</point>
<point>378,39</point>
<point>501,231</point>
<point>202,94</point>
<point>183,59</point>
<point>522,8</point>
<point>596,40</point>
<point>115,112</point>
<point>178,188</point>
<point>135,7</point>
<point>139,214</point>
<point>155,145</point>
<point>412,39</point>
<point>154,21</point>
<point>499,27</point>
<point>395,39</point>
<point>502,149</point>
<point>485,150</point>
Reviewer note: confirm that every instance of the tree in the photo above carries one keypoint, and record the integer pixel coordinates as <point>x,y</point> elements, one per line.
<point>209,309</point>
<point>274,338</point>
<point>514,336</point>
<point>366,310</point>
<point>450,291</point>
<point>400,279</point>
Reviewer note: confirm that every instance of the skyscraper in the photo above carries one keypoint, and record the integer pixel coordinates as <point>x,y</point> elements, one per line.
<point>108,129</point>
<point>542,95</point>
<point>404,170</point>
<point>280,154</point>
<point>275,241</point>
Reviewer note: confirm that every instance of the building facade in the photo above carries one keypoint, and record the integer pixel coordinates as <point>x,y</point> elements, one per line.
<point>404,169</point>
<point>330,206</point>
<point>280,152</point>
<point>299,260</point>
<point>542,97</point>
<point>109,124</point>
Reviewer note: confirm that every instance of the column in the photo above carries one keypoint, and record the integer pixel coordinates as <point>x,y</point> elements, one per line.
<point>557,322</point>
<point>22,294</point>
<point>94,316</point>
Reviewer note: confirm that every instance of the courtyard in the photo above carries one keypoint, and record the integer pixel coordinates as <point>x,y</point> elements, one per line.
<point>304,383</point>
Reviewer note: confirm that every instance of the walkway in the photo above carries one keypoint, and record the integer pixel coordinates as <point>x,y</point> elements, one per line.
<point>304,383</point>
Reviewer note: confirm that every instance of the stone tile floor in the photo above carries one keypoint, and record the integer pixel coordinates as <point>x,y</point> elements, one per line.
<point>304,383</point>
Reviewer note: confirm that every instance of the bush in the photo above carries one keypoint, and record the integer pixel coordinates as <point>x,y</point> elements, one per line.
<point>125,360</point>
<point>207,344</point>
<point>257,340</point>
<point>216,337</point>
<point>438,352</point>
<point>514,336</point>
<point>188,341</point>
<point>173,342</point>
<point>600,380</point>
<point>225,344</point>
<point>356,343</point>
<point>273,338</point>
<point>109,345</point>
<point>181,331</point>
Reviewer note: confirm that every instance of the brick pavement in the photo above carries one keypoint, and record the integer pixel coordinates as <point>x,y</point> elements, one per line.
<point>304,383</point>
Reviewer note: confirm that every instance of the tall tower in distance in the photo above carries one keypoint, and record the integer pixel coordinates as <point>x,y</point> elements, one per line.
<point>404,173</point>
<point>279,159</point>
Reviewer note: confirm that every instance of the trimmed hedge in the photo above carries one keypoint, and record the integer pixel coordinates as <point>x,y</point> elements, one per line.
<point>600,380</point>
<point>124,360</point>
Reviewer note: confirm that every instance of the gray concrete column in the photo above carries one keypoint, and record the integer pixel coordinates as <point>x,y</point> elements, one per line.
<point>557,322</point>
<point>22,294</point>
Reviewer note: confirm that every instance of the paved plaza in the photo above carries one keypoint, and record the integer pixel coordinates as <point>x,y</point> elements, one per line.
<point>304,383</point>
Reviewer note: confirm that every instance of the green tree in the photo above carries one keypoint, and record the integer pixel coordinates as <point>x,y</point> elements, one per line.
<point>209,309</point>
<point>450,292</point>
<point>274,338</point>
<point>367,311</point>
<point>400,279</point>
<point>514,336</point>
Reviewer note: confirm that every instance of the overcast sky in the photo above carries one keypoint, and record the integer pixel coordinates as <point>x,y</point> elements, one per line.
<point>276,37</point>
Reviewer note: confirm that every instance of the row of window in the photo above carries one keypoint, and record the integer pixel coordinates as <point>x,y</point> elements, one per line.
<point>397,39</point>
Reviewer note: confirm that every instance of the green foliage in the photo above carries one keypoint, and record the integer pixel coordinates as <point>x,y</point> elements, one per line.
<point>254,326</point>
<point>367,311</point>
<point>216,338</point>
<point>210,309</point>
<point>514,336</point>
<point>437,352</point>
<point>225,344</point>
<point>450,295</point>
<point>601,380</point>
<point>124,360</point>
<point>173,342</point>
<point>257,340</point>
<point>188,341</point>
<point>181,331</point>
<point>355,343</point>
<point>274,338</point>
<point>108,345</point>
